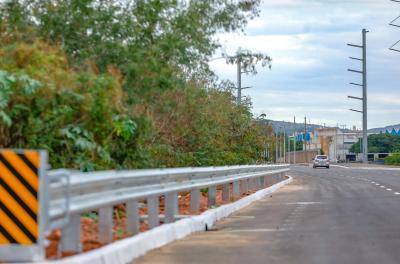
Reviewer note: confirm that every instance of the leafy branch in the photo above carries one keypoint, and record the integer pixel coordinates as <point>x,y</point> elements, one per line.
<point>249,60</point>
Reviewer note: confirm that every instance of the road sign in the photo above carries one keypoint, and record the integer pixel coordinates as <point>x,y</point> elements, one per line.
<point>21,220</point>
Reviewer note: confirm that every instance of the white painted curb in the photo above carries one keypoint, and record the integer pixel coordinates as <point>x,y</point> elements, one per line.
<point>126,250</point>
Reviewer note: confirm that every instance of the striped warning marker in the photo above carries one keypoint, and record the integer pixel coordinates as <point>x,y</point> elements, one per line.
<point>19,201</point>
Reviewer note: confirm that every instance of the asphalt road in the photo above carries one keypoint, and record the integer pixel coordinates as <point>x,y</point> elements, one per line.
<point>334,216</point>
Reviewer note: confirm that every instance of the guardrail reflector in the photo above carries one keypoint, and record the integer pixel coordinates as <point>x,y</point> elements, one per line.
<point>21,177</point>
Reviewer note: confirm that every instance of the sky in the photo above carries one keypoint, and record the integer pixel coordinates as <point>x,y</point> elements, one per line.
<point>307,42</point>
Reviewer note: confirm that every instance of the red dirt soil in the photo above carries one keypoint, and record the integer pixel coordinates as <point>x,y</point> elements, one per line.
<point>89,226</point>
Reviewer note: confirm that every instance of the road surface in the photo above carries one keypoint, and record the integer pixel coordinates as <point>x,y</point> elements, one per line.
<point>334,216</point>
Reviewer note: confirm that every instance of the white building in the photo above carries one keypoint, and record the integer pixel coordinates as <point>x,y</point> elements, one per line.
<point>334,142</point>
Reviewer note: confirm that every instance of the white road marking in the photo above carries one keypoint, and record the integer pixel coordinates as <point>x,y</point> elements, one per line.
<point>388,189</point>
<point>304,203</point>
<point>377,184</point>
<point>383,186</point>
<point>243,216</point>
<point>256,230</point>
<point>397,193</point>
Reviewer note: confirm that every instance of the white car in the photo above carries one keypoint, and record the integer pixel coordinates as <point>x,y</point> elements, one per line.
<point>321,161</point>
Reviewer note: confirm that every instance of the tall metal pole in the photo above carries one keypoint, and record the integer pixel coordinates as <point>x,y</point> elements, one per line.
<point>344,151</point>
<point>295,142</point>
<point>364,98</point>
<point>305,141</point>
<point>239,81</point>
<point>365,114</point>
<point>290,150</point>
<point>279,145</point>
<point>276,147</point>
<point>284,145</point>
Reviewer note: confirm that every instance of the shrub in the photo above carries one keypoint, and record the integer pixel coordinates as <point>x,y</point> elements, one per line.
<point>393,160</point>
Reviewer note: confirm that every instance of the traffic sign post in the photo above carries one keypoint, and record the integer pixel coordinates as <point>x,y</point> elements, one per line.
<point>23,205</point>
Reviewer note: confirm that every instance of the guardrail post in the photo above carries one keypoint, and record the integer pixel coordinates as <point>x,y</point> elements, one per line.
<point>274,178</point>
<point>268,180</point>
<point>250,183</point>
<point>243,186</point>
<point>226,192</point>
<point>194,201</point>
<point>70,239</point>
<point>212,193</point>
<point>132,213</point>
<point>236,189</point>
<point>153,209</point>
<point>106,224</point>
<point>171,207</point>
<point>262,182</point>
<point>256,181</point>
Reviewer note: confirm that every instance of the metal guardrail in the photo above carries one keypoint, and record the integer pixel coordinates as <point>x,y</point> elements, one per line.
<point>73,193</point>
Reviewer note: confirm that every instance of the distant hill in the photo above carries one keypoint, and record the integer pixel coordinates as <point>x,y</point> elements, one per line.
<point>289,127</point>
<point>383,129</point>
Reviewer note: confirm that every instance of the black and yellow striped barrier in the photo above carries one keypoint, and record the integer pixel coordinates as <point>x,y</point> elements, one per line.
<point>19,197</point>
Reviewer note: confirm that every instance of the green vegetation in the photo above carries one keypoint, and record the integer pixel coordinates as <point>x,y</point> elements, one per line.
<point>124,84</point>
<point>380,143</point>
<point>393,160</point>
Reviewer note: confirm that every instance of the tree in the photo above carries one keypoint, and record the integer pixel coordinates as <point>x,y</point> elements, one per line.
<point>180,33</point>
<point>123,84</point>
<point>249,60</point>
<point>379,143</point>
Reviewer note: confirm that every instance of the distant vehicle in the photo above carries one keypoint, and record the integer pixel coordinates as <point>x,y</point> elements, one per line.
<point>321,161</point>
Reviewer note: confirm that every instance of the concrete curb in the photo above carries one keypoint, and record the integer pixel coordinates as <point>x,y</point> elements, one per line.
<point>126,250</point>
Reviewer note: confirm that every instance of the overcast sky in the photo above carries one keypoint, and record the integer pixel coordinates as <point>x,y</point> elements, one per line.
<point>307,41</point>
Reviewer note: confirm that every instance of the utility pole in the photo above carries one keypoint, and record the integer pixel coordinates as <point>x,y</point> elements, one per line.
<point>239,81</point>
<point>344,152</point>
<point>304,139</point>
<point>295,141</point>
<point>305,131</point>
<point>284,144</point>
<point>364,98</point>
<point>290,150</point>
<point>394,23</point>
<point>276,147</point>
<point>280,144</point>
